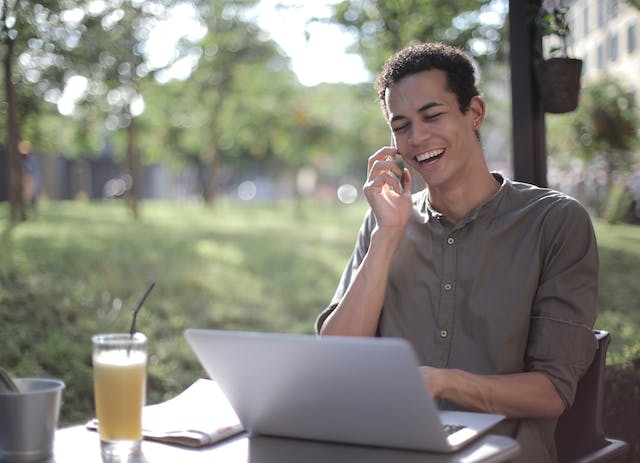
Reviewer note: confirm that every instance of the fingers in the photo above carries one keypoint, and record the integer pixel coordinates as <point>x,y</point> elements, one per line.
<point>386,166</point>
<point>385,179</point>
<point>406,181</point>
<point>382,154</point>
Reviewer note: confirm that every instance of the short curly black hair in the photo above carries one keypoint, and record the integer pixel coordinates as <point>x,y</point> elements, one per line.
<point>457,65</point>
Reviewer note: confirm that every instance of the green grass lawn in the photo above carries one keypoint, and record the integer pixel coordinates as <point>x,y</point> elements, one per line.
<point>619,298</point>
<point>76,269</point>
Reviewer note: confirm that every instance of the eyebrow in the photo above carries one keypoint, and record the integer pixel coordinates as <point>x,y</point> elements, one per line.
<point>422,109</point>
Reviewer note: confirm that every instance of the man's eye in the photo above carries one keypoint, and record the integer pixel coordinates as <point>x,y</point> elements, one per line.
<point>429,117</point>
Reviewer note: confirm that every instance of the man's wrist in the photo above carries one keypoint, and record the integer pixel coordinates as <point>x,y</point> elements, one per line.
<point>387,237</point>
<point>440,382</point>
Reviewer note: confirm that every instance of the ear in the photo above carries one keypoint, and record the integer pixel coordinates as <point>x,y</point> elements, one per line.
<point>476,111</point>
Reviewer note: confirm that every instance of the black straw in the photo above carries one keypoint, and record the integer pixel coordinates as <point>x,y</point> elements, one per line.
<point>135,312</point>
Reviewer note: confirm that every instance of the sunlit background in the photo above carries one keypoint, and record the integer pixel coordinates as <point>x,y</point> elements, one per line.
<point>180,97</point>
<point>219,148</point>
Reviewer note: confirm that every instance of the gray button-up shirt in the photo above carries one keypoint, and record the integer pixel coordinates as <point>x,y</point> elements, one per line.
<point>511,287</point>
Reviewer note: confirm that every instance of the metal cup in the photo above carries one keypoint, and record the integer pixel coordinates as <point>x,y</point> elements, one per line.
<point>28,420</point>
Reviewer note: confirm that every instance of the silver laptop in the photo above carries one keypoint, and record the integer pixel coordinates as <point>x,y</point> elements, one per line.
<point>338,389</point>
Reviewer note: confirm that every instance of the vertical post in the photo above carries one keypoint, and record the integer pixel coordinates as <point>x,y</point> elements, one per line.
<point>529,139</point>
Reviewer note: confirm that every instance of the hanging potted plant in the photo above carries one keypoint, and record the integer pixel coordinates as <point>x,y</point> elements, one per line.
<point>558,75</point>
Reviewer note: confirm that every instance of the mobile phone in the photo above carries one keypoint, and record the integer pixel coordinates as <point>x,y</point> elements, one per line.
<point>399,161</point>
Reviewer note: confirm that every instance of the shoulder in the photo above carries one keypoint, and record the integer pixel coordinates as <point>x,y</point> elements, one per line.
<point>544,202</point>
<point>562,224</point>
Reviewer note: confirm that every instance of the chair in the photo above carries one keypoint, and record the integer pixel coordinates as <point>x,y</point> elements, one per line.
<point>579,435</point>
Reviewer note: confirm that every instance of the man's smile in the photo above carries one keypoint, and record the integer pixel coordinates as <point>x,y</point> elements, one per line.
<point>430,156</point>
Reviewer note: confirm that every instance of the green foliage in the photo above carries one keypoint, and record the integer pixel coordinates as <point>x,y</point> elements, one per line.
<point>78,269</point>
<point>634,3</point>
<point>602,134</point>
<point>30,30</point>
<point>232,96</point>
<point>353,123</point>
<point>618,204</point>
<point>561,143</point>
<point>384,26</point>
<point>242,104</point>
<point>606,122</point>
<point>264,117</point>
<point>553,22</point>
<point>619,248</point>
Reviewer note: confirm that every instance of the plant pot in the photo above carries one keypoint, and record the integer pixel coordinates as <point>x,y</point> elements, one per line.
<point>559,84</point>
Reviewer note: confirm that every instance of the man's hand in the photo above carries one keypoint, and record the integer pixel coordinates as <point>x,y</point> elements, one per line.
<point>518,395</point>
<point>390,199</point>
<point>433,377</point>
<point>358,312</point>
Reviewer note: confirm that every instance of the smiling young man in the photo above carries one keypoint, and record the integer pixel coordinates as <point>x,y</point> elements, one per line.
<point>493,282</point>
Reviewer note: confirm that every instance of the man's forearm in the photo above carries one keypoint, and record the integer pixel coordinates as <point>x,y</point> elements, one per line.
<point>358,312</point>
<point>520,395</point>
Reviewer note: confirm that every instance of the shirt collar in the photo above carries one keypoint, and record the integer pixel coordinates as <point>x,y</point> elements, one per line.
<point>486,207</point>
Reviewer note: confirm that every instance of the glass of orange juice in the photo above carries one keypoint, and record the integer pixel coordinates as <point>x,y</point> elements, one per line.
<point>119,380</point>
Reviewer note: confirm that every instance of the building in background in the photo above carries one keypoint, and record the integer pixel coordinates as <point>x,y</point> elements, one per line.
<point>604,34</point>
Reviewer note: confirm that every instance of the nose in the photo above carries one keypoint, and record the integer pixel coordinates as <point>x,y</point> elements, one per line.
<point>418,134</point>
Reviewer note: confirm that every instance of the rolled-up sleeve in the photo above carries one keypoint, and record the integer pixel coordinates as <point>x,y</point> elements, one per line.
<point>561,340</point>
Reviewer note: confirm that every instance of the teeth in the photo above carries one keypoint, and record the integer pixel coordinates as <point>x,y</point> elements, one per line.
<point>429,155</point>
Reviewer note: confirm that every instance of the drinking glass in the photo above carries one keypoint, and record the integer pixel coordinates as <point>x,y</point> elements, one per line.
<point>119,379</point>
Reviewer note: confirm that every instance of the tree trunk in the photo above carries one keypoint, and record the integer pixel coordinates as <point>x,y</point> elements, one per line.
<point>208,168</point>
<point>134,167</point>
<point>210,190</point>
<point>16,199</point>
<point>208,171</point>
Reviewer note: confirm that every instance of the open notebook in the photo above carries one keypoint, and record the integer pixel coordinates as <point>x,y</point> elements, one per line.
<point>200,415</point>
<point>337,389</point>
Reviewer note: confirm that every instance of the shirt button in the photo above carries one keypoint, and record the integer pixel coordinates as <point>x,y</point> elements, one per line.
<point>443,333</point>
<point>447,286</point>
<point>450,240</point>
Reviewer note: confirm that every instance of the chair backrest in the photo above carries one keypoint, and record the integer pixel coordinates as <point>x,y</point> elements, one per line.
<point>579,429</point>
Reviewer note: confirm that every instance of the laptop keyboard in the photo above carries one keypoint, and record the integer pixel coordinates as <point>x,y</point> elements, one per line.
<point>451,428</point>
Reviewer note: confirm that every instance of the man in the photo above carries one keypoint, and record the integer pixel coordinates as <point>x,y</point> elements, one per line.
<point>493,282</point>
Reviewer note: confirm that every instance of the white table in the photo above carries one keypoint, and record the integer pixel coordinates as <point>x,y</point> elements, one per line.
<point>78,445</point>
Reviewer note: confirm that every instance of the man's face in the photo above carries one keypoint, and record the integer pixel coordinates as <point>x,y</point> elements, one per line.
<point>430,131</point>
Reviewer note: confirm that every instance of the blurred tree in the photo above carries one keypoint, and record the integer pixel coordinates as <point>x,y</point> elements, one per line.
<point>66,45</point>
<point>234,106</point>
<point>384,26</point>
<point>240,104</point>
<point>26,26</point>
<point>606,126</point>
<point>355,127</point>
<point>111,67</point>
<point>266,122</point>
<point>90,59</point>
